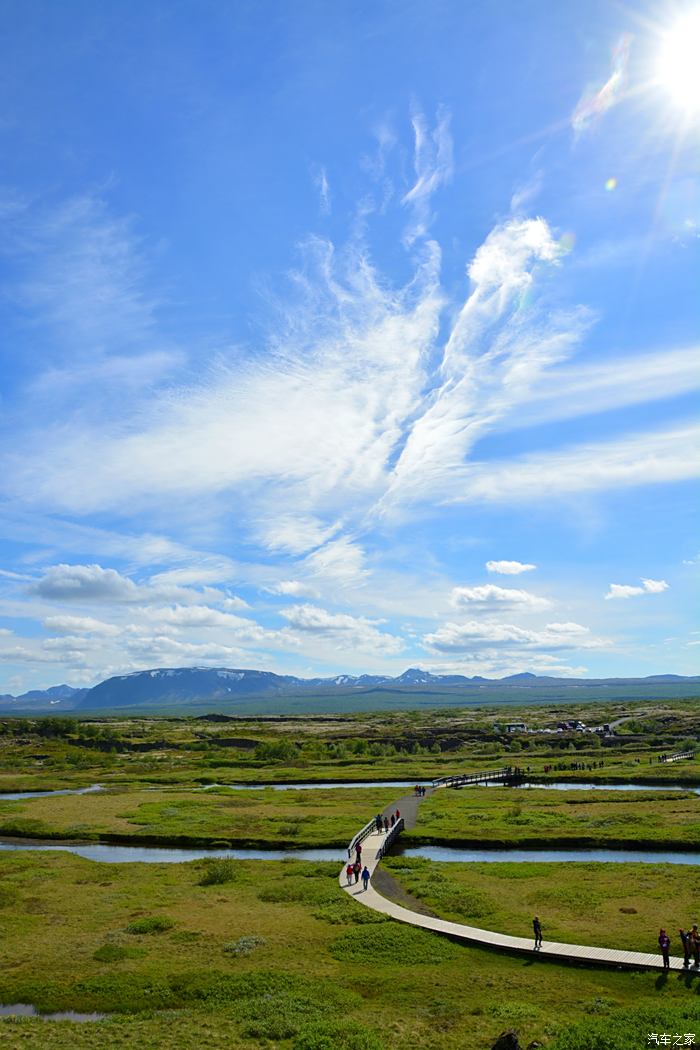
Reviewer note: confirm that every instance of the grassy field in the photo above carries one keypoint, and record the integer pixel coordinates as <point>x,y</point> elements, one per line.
<point>607,905</point>
<point>276,956</point>
<point>528,817</point>
<point>262,817</point>
<point>269,953</point>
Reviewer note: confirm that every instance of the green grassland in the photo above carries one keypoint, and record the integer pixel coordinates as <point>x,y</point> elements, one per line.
<point>270,953</point>
<point>606,905</point>
<point>59,752</point>
<point>263,817</point>
<point>276,956</point>
<point>533,818</point>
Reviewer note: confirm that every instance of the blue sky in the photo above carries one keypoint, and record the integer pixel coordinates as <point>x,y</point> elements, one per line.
<point>348,337</point>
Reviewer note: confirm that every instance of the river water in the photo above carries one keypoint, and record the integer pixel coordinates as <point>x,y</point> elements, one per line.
<point>559,785</point>
<point>178,855</point>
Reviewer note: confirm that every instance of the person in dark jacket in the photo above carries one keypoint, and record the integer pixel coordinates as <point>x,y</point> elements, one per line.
<point>685,941</point>
<point>695,944</point>
<point>664,945</point>
<point>365,877</point>
<point>537,929</point>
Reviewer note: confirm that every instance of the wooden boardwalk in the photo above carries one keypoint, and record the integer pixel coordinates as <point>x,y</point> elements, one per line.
<point>372,847</point>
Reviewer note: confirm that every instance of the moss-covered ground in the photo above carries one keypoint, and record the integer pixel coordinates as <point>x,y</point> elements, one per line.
<point>531,817</point>
<point>317,973</point>
<point>269,953</point>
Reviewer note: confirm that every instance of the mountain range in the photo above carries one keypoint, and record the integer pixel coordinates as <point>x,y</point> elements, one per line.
<point>247,691</point>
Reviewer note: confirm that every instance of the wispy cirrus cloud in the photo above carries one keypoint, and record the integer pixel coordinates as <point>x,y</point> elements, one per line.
<point>596,101</point>
<point>433,167</point>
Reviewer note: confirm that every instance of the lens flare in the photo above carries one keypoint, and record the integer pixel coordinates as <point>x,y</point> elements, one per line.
<point>679,62</point>
<point>611,184</point>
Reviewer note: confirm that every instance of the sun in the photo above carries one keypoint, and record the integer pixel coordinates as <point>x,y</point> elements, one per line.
<point>678,67</point>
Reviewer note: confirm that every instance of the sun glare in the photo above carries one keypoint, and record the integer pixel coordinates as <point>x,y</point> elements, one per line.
<point>679,62</point>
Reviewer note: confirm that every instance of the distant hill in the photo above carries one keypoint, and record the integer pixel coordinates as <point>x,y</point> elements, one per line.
<point>184,690</point>
<point>40,700</point>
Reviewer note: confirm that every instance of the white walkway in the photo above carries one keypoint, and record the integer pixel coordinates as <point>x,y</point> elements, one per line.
<point>472,934</point>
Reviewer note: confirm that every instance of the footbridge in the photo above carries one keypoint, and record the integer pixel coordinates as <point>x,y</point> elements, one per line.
<point>376,843</point>
<point>503,775</point>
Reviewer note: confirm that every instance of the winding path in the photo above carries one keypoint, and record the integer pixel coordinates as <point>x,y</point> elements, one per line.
<point>372,847</point>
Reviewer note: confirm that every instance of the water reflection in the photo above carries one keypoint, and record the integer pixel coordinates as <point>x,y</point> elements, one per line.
<point>27,1010</point>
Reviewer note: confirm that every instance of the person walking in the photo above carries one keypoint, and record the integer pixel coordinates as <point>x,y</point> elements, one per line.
<point>392,820</point>
<point>365,877</point>
<point>386,823</point>
<point>348,873</point>
<point>685,941</point>
<point>537,929</point>
<point>358,853</point>
<point>398,815</point>
<point>695,944</point>
<point>378,823</point>
<point>664,945</point>
<point>357,868</point>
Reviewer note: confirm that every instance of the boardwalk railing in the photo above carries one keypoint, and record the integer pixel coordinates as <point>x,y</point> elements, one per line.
<point>504,775</point>
<point>369,828</point>
<point>391,837</point>
<point>678,756</point>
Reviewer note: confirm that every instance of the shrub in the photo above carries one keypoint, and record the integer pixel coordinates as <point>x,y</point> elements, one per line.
<point>151,924</point>
<point>391,943</point>
<point>344,911</point>
<point>110,953</point>
<point>336,1035</point>
<point>218,870</point>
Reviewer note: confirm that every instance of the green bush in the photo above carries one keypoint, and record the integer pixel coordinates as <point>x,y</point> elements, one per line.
<point>628,1029</point>
<point>393,943</point>
<point>151,924</point>
<point>336,1035</point>
<point>217,870</point>
<point>344,911</point>
<point>111,953</point>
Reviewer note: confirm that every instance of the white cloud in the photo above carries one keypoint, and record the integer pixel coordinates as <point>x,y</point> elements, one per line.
<point>85,583</point>
<point>654,586</point>
<point>320,177</point>
<point>433,166</point>
<point>294,589</point>
<point>649,458</point>
<point>294,535</point>
<point>489,594</point>
<point>567,391</point>
<point>196,616</point>
<point>79,625</point>
<point>341,561</point>
<point>348,630</point>
<point>595,102</point>
<point>475,635</point>
<point>624,590</point>
<point>509,568</point>
<point>95,584</point>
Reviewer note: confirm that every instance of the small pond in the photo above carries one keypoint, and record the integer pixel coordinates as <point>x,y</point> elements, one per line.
<point>12,796</point>
<point>27,1010</point>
